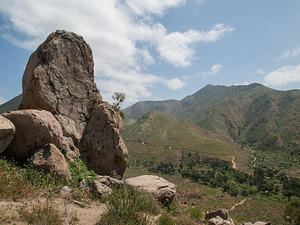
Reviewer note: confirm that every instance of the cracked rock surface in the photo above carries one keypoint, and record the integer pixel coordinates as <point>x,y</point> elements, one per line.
<point>59,78</point>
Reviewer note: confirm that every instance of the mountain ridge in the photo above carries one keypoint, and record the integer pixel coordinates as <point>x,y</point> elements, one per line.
<point>251,115</point>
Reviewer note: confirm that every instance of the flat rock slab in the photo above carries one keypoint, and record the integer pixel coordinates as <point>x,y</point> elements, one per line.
<point>161,188</point>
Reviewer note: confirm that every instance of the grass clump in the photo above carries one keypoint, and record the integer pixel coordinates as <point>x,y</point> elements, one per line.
<point>292,211</point>
<point>41,215</point>
<point>196,213</point>
<point>165,219</point>
<point>128,206</point>
<point>79,172</point>
<point>17,182</point>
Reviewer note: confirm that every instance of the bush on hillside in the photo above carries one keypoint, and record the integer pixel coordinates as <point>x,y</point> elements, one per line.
<point>128,206</point>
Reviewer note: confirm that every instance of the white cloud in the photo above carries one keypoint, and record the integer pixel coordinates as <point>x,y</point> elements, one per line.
<point>153,6</point>
<point>243,83</point>
<point>175,84</point>
<point>260,71</point>
<point>215,69</point>
<point>175,47</point>
<point>283,76</point>
<point>290,54</point>
<point>121,34</point>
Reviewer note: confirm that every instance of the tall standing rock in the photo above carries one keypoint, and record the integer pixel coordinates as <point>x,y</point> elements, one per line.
<point>59,78</point>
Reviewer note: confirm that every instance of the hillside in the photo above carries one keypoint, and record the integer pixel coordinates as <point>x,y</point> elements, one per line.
<point>252,115</point>
<point>139,109</point>
<point>12,104</point>
<point>158,137</point>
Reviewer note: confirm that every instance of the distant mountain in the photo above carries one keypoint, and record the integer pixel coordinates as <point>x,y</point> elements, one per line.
<point>253,115</point>
<point>158,137</point>
<point>11,105</point>
<point>141,108</point>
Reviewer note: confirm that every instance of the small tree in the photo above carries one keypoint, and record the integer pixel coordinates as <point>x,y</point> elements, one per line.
<point>118,98</point>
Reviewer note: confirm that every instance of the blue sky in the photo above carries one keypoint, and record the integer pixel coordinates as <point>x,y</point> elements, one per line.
<point>160,49</point>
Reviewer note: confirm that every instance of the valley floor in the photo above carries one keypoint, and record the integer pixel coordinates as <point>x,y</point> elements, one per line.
<point>250,209</point>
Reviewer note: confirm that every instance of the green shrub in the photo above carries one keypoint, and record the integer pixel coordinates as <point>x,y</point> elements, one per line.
<point>292,211</point>
<point>79,171</point>
<point>17,182</point>
<point>122,114</point>
<point>196,213</point>
<point>165,219</point>
<point>41,215</point>
<point>95,100</point>
<point>128,206</point>
<point>171,207</point>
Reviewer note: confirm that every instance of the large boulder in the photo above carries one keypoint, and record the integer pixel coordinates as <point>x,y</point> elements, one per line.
<point>162,189</point>
<point>7,132</point>
<point>102,146</point>
<point>59,78</point>
<point>34,128</point>
<point>49,159</point>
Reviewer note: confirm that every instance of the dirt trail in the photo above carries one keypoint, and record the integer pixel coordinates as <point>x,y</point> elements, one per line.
<point>68,210</point>
<point>238,204</point>
<point>233,162</point>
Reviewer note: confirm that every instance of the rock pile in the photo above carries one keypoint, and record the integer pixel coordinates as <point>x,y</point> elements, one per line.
<point>62,115</point>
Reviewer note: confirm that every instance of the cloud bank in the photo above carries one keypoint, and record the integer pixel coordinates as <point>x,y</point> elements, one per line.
<point>122,33</point>
<point>214,70</point>
<point>283,76</point>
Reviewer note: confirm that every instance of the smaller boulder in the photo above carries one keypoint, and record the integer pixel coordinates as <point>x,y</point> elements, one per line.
<point>84,185</point>
<point>51,160</point>
<point>219,221</point>
<point>162,189</point>
<point>111,182</point>
<point>101,189</point>
<point>223,213</point>
<point>7,132</point>
<point>218,217</point>
<point>65,192</point>
<point>34,128</point>
<point>102,146</point>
